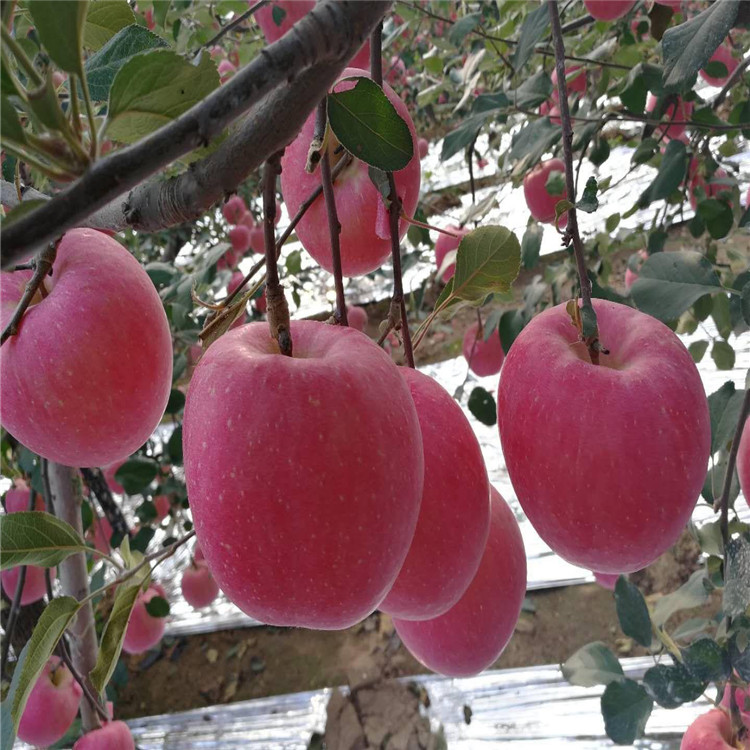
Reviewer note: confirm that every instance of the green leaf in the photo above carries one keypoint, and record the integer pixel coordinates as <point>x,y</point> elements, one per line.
<point>488,260</point>
<point>707,660</point>
<point>176,402</point>
<point>59,24</point>
<point>625,708</point>
<point>697,350</point>
<point>669,283</point>
<point>717,216</point>
<point>593,664</point>
<point>152,89</point>
<point>462,27</point>
<point>104,19</point>
<point>723,410</point>
<point>294,262</point>
<point>174,446</point>
<point>645,151</point>
<point>102,67</point>
<point>532,92</point>
<point>369,127</point>
<point>643,78</point>
<point>534,140</point>
<point>745,303</point>
<point>692,593</point>
<point>600,152</point>
<point>737,577</point>
<point>10,124</point>
<point>161,8</point>
<point>114,634</point>
<point>136,474</point>
<point>721,315</point>
<point>613,221</point>
<point>463,136</point>
<point>588,201</point>
<point>531,244</point>
<point>632,611</point>
<point>688,47</point>
<point>671,173</point>
<point>671,686</point>
<point>55,618</point>
<point>723,355</point>
<point>36,538</point>
<point>511,324</point>
<point>157,606</point>
<point>739,652</point>
<point>482,405</point>
<point>555,183</point>
<point>45,104</point>
<point>533,29</point>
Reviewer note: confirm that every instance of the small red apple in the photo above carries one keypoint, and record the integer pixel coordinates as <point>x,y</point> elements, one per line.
<point>455,513</point>
<point>287,12</point>
<point>114,735</point>
<point>448,244</point>
<point>144,631</point>
<point>234,209</point>
<point>679,112</point>
<point>18,499</point>
<point>226,70</point>
<point>357,317</point>
<point>606,580</point>
<point>540,202</point>
<point>608,10</point>
<point>163,505</point>
<point>484,357</point>
<point>424,147</point>
<point>198,585</point>
<point>711,731</point>
<point>34,584</point>
<point>472,634</point>
<point>52,705</point>
<point>723,54</point>
<point>575,77</point>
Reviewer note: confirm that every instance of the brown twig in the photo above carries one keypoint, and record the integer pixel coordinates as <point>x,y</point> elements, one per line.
<point>42,266</point>
<point>736,75</point>
<point>278,309</point>
<point>233,24</point>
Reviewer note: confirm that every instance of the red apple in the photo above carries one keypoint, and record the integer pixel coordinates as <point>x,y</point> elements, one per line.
<point>606,580</point>
<point>288,13</point>
<point>248,220</point>
<point>680,113</point>
<point>484,357</point>
<point>742,698</point>
<point>114,735</point>
<point>743,461</point>
<point>448,244</point>
<point>365,234</point>
<point>541,203</point>
<point>608,10</point>
<point>723,54</point>
<point>395,70</point>
<point>198,585</point>
<point>144,631</point>
<point>163,505</point>
<point>52,705</point>
<point>552,110</point>
<point>423,146</point>
<point>575,77</point>
<point>235,281</point>
<point>357,318</point>
<point>675,5</point>
<point>239,236</point>
<point>226,70</point>
<point>297,507</point>
<point>234,209</point>
<point>67,393</point>
<point>710,189</point>
<point>455,513</point>
<point>711,731</point>
<point>257,239</point>
<point>471,635</point>
<point>18,499</point>
<point>572,432</point>
<point>34,585</point>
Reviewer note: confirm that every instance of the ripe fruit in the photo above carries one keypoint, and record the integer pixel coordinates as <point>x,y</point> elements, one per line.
<point>551,109</point>
<point>608,10</point>
<point>711,731</point>
<point>297,507</point>
<point>18,499</point>
<point>723,54</point>
<point>257,239</point>
<point>52,705</point>
<point>365,234</point>
<point>447,244</point>
<point>163,505</point>
<point>34,585</point>
<point>198,585</point>
<point>424,147</point>
<point>607,580</point>
<point>710,189</point>
<point>144,631</point>
<point>575,77</point>
<point>66,392</point>
<point>743,461</point>
<point>226,70</point>
<point>572,432</point>
<point>471,635</point>
<point>454,517</point>
<point>239,236</point>
<point>484,357</point>
<point>679,112</point>
<point>540,202</point>
<point>357,318</point>
<point>234,209</point>
<point>288,12</point>
<point>114,735</point>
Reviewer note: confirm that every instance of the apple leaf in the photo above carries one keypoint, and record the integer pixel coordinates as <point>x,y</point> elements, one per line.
<point>102,67</point>
<point>104,19</point>
<point>511,324</point>
<point>737,579</point>
<point>593,664</point>
<point>482,406</point>
<point>723,355</point>
<point>669,283</point>
<point>688,47</point>
<point>533,29</point>
<point>368,126</point>
<point>632,611</point>
<point>114,634</point>
<point>707,660</point>
<point>136,474</point>
<point>10,124</point>
<point>36,538</point>
<point>672,685</point>
<point>697,350</point>
<point>625,707</point>
<point>55,618</point>
<point>531,244</point>
<point>157,606</point>
<point>717,215</point>
<point>692,593</point>
<point>153,88</point>
<point>671,173</point>
<point>59,24</point>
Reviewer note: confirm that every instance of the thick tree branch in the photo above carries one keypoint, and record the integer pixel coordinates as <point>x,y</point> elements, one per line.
<point>279,89</point>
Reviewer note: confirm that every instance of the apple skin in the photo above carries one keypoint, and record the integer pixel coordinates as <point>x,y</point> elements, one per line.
<point>743,461</point>
<point>587,426</point>
<point>711,189</point>
<point>471,635</point>
<point>484,357</point>
<point>608,10</point>
<point>541,204</point>
<point>293,10</point>
<point>52,705</point>
<point>683,112</point>
<point>114,735</point>
<point>144,631</point>
<point>552,110</point>
<point>454,517</point>
<point>297,507</point>
<point>17,499</point>
<point>357,317</point>
<point>446,244</point>
<point>34,585</point>
<point>711,731</point>
<point>239,236</point>
<point>163,505</point>
<point>424,147</point>
<point>234,209</point>
<point>575,77</point>
<point>365,234</point>
<point>198,585</point>
<point>723,54</point>
<point>606,580</point>
<point>102,310</point>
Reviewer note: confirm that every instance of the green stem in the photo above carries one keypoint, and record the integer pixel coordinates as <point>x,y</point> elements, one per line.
<point>75,111</point>
<point>36,164</point>
<point>93,150</point>
<point>23,60</point>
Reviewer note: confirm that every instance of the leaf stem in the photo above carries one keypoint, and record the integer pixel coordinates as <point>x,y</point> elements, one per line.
<point>32,73</point>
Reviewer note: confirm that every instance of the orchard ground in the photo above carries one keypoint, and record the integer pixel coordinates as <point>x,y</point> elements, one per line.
<point>247,663</point>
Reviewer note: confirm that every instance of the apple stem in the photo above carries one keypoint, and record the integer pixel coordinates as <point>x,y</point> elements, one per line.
<point>278,309</point>
<point>571,233</point>
<point>334,226</point>
<point>42,265</point>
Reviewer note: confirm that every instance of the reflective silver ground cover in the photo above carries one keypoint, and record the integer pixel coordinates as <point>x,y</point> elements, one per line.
<point>525,709</point>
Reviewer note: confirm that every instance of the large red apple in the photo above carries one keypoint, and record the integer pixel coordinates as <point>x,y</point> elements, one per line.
<point>723,54</point>
<point>304,473</point>
<point>572,433</point>
<point>87,378</point>
<point>52,705</point>
<point>198,585</point>
<point>365,234</point>
<point>445,244</point>
<point>114,735</point>
<point>541,203</point>
<point>471,635</point>
<point>743,461</point>
<point>679,112</point>
<point>711,731</point>
<point>455,514</point>
<point>484,357</point>
<point>144,631</point>
<point>608,10</point>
